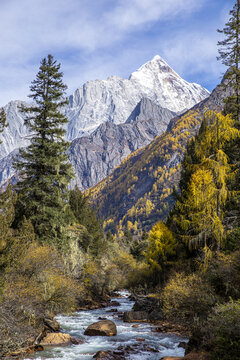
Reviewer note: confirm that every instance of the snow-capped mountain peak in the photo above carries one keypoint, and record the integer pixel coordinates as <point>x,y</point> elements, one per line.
<point>170,89</point>
<point>157,67</point>
<point>113,100</point>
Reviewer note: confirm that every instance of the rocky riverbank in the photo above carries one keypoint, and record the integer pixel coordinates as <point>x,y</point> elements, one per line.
<point>144,315</point>
<point>143,318</point>
<point>130,340</point>
<point>19,338</point>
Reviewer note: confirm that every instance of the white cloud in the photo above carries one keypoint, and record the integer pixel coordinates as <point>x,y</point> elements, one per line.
<point>84,36</point>
<point>40,24</point>
<point>140,12</point>
<point>192,52</point>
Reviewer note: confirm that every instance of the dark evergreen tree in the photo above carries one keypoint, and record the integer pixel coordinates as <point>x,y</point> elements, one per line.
<point>44,168</point>
<point>85,215</point>
<point>197,216</point>
<point>229,54</point>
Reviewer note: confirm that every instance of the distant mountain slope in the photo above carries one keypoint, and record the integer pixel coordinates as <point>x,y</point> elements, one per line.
<point>112,100</point>
<point>139,191</point>
<point>16,134</point>
<point>95,156</point>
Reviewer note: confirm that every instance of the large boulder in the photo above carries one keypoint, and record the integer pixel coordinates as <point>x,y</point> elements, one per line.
<point>125,352</point>
<point>146,303</point>
<point>191,356</point>
<point>156,315</point>
<point>101,328</point>
<point>133,316</point>
<point>151,305</point>
<point>57,339</point>
<point>109,355</point>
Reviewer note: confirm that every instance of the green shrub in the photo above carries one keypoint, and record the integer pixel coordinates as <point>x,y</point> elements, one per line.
<point>187,299</point>
<point>224,326</point>
<point>233,240</point>
<point>38,281</point>
<point>223,274</point>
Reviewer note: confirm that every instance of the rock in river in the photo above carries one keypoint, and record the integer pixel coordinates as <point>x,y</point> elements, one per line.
<point>133,316</point>
<point>56,339</point>
<point>191,356</point>
<point>101,328</point>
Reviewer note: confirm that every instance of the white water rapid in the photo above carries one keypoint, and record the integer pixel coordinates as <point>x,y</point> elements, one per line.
<point>162,343</point>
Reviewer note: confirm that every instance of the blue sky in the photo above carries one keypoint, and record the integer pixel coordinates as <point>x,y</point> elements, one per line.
<point>94,39</point>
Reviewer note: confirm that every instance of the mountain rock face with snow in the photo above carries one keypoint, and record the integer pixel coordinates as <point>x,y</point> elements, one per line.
<point>111,100</point>
<point>166,87</point>
<point>95,156</point>
<point>109,119</point>
<point>114,99</point>
<point>16,134</point>
<point>140,188</point>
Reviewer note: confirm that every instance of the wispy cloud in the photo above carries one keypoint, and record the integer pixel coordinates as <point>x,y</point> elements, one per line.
<point>194,53</point>
<point>93,39</point>
<point>140,12</point>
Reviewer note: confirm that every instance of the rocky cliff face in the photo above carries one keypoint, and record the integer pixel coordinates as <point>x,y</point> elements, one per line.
<point>109,119</point>
<point>6,169</point>
<point>95,156</point>
<point>111,100</point>
<point>114,99</point>
<point>16,134</point>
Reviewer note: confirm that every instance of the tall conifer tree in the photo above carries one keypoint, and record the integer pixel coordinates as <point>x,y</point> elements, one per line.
<point>229,54</point>
<point>198,213</point>
<point>44,167</point>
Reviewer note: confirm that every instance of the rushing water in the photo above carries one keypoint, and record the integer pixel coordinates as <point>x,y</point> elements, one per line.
<point>75,325</point>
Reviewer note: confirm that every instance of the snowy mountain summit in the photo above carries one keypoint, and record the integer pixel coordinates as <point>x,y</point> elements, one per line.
<point>111,100</point>
<point>114,99</point>
<point>170,89</point>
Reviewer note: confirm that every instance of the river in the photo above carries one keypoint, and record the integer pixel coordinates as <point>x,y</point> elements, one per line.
<point>154,346</point>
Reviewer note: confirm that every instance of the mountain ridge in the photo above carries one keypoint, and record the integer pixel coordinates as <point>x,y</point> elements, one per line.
<point>93,157</point>
<point>98,101</point>
<point>124,109</point>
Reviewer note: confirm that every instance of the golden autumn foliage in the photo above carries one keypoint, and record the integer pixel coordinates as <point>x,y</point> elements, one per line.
<point>200,205</point>
<point>199,211</point>
<point>134,273</point>
<point>101,277</point>
<point>37,277</point>
<point>160,250</point>
<point>115,269</point>
<point>187,298</point>
<point>140,188</point>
